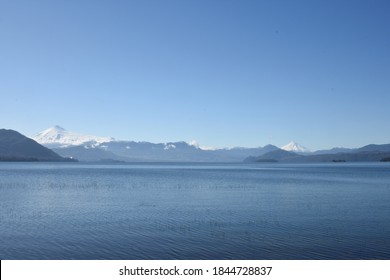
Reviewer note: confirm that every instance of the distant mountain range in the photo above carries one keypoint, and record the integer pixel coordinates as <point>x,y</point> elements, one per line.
<point>107,149</point>
<point>59,144</point>
<point>363,154</point>
<point>17,147</point>
<point>132,151</point>
<point>93,148</point>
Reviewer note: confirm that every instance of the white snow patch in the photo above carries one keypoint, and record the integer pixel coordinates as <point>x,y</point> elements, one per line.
<point>196,144</point>
<point>169,146</point>
<point>193,143</point>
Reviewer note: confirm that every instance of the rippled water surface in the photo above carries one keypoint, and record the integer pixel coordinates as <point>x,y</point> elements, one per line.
<point>194,211</point>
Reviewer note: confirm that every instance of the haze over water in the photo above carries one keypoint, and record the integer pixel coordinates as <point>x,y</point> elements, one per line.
<point>194,211</point>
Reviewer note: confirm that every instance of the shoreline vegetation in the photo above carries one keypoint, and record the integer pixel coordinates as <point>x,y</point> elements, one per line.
<point>290,157</point>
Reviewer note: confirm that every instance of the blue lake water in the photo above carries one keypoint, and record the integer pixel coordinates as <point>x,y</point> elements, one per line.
<point>194,211</point>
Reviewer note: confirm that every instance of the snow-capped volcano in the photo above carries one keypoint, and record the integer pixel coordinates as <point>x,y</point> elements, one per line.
<point>295,147</point>
<point>57,136</point>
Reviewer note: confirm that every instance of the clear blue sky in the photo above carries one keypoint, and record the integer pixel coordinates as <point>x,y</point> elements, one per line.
<point>226,73</point>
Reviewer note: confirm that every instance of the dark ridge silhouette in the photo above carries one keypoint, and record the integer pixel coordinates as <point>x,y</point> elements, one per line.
<point>17,147</point>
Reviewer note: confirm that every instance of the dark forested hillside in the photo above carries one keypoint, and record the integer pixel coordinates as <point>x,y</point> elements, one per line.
<point>17,147</point>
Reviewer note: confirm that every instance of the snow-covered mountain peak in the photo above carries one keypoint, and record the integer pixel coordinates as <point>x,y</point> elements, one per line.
<point>295,147</point>
<point>52,130</point>
<point>57,136</point>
